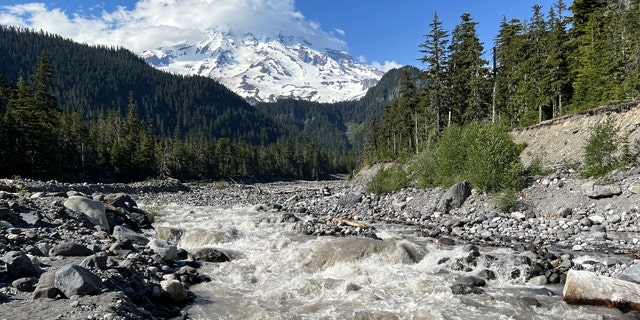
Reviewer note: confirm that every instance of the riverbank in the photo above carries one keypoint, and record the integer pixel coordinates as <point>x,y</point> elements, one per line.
<point>562,223</point>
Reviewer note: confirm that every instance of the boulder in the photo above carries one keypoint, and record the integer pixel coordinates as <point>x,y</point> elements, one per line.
<point>19,265</point>
<point>169,233</point>
<point>122,200</point>
<point>472,281</point>
<point>46,287</point>
<point>74,280</point>
<point>69,280</point>
<point>210,255</point>
<point>632,274</point>
<point>98,261</point>
<point>174,289</point>
<point>461,288</point>
<point>123,234</point>
<point>596,191</point>
<point>165,249</point>
<point>587,288</point>
<point>455,196</point>
<point>93,210</point>
<point>23,284</point>
<point>70,249</point>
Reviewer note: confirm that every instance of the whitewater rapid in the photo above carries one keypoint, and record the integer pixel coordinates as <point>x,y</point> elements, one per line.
<point>278,273</point>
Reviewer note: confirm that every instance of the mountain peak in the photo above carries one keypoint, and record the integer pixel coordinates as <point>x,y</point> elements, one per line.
<point>264,68</point>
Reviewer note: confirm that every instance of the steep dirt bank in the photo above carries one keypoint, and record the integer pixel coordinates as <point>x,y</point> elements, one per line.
<point>561,140</point>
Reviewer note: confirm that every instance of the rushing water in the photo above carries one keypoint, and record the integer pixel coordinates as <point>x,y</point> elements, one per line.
<point>277,273</point>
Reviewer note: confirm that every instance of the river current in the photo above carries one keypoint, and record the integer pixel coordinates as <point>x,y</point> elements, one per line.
<point>278,273</point>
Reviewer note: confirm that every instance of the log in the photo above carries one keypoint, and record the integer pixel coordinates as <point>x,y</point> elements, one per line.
<point>587,288</point>
<point>350,223</point>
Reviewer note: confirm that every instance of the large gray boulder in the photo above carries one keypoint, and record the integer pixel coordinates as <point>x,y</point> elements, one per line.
<point>19,265</point>
<point>455,196</point>
<point>124,234</point>
<point>74,280</point>
<point>165,249</point>
<point>70,280</point>
<point>597,191</point>
<point>93,210</point>
<point>632,274</point>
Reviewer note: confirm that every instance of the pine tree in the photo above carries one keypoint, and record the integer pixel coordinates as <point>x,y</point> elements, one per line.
<point>467,73</point>
<point>509,58</point>
<point>434,50</point>
<point>557,61</point>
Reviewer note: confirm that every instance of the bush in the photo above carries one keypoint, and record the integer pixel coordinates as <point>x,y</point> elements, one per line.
<point>483,154</point>
<point>601,153</point>
<point>506,201</point>
<point>388,180</point>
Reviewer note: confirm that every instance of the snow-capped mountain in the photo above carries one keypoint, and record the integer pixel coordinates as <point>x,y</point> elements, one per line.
<point>265,69</point>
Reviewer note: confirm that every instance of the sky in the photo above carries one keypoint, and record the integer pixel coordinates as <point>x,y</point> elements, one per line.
<point>385,34</point>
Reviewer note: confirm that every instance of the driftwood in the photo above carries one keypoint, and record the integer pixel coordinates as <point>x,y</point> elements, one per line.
<point>584,287</point>
<point>350,223</point>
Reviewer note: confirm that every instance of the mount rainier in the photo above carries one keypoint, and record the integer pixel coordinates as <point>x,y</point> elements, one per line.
<point>267,68</point>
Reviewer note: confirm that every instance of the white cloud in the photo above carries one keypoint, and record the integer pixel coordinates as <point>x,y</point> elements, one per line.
<point>154,23</point>
<point>386,66</point>
<point>340,31</point>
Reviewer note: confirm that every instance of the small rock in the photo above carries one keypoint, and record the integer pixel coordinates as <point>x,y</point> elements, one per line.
<point>210,255</point>
<point>461,288</point>
<point>530,301</point>
<point>538,281</point>
<point>23,284</point>
<point>70,249</point>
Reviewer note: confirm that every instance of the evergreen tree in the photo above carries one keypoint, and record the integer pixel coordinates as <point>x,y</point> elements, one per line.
<point>467,73</point>
<point>509,57</point>
<point>557,74</point>
<point>532,89</point>
<point>435,57</point>
<point>371,146</point>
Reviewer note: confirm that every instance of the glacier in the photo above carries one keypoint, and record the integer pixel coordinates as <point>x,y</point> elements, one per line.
<point>263,68</point>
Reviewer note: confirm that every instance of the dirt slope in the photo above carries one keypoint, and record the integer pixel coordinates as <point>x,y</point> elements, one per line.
<point>562,140</point>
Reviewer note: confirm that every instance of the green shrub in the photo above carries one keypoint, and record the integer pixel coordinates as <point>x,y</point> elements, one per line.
<point>506,201</point>
<point>536,167</point>
<point>483,154</point>
<point>388,180</point>
<point>601,153</point>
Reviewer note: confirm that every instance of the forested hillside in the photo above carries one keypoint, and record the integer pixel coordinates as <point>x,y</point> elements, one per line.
<point>91,80</point>
<point>71,111</point>
<point>559,61</point>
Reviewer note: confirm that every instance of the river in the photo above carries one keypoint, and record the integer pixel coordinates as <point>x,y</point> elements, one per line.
<point>278,273</point>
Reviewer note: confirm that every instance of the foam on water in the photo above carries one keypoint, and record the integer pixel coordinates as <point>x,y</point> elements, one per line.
<point>277,273</point>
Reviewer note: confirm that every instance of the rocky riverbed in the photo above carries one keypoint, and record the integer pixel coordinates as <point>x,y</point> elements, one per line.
<point>87,251</point>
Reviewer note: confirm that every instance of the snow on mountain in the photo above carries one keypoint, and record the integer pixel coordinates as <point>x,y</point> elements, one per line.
<point>265,69</point>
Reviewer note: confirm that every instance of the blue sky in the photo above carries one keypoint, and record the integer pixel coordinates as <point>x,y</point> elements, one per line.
<point>375,32</point>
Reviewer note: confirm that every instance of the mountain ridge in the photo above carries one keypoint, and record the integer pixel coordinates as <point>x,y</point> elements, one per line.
<point>263,68</point>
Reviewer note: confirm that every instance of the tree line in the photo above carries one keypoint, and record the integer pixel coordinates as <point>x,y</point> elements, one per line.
<point>38,139</point>
<point>565,60</point>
